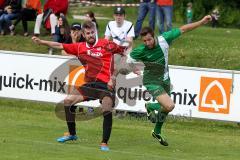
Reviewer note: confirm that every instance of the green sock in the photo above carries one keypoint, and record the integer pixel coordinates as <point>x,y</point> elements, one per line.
<point>161,119</point>
<point>153,106</point>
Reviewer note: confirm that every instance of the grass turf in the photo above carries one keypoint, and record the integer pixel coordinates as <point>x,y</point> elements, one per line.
<point>29,131</point>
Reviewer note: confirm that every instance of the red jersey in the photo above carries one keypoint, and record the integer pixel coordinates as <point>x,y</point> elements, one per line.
<point>97,59</point>
<point>58,6</point>
<point>2,4</point>
<point>165,2</point>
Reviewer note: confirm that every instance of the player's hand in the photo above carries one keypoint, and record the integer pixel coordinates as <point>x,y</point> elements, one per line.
<point>206,19</point>
<point>136,71</point>
<point>112,83</point>
<point>36,40</point>
<point>75,35</point>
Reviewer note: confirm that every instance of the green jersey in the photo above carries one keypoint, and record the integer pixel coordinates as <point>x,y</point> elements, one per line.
<point>156,59</point>
<point>189,14</point>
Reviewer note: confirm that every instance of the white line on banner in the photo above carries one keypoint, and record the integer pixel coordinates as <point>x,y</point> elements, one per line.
<point>109,5</point>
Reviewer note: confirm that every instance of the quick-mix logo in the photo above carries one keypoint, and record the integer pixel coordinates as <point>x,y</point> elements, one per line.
<point>29,83</point>
<point>215,95</point>
<point>76,77</point>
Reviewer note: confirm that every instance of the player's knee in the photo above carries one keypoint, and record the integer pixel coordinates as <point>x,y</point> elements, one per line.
<point>68,102</point>
<point>170,107</point>
<point>107,104</point>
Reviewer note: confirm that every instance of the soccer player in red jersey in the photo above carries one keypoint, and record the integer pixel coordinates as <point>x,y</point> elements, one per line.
<point>96,56</point>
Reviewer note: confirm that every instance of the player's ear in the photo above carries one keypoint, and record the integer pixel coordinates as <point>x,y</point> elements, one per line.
<point>83,34</point>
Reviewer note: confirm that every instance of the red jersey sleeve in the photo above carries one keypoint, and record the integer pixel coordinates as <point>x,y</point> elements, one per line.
<point>61,6</point>
<point>71,48</point>
<point>114,48</point>
<point>58,6</point>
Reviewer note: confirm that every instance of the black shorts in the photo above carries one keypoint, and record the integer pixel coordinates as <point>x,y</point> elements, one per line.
<point>96,90</point>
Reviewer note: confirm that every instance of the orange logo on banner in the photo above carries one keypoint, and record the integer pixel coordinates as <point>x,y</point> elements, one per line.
<point>76,77</point>
<point>215,95</point>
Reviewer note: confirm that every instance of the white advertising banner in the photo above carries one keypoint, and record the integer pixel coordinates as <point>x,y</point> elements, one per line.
<point>197,92</point>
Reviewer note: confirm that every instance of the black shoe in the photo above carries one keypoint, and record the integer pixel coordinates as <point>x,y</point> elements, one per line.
<point>160,139</point>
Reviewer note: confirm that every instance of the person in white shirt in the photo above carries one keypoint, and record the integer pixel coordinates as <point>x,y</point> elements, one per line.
<point>122,33</point>
<point>120,30</point>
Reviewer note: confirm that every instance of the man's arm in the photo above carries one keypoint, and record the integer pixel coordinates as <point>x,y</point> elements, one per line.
<point>129,40</point>
<point>51,44</point>
<point>107,32</point>
<point>107,37</point>
<point>192,26</point>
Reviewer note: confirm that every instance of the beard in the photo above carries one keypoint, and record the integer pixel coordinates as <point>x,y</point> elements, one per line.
<point>91,41</point>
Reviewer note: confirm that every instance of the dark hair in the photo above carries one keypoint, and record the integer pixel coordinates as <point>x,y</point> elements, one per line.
<point>65,26</point>
<point>92,16</point>
<point>88,25</point>
<point>146,30</point>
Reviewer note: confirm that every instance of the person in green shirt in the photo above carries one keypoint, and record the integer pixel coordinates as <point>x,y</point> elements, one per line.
<point>154,54</point>
<point>189,13</point>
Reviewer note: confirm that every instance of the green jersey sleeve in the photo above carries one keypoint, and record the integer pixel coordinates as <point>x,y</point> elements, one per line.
<point>137,53</point>
<point>171,35</point>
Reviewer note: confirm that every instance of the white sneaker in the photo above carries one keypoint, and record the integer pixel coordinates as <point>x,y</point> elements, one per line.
<point>12,27</point>
<point>50,51</point>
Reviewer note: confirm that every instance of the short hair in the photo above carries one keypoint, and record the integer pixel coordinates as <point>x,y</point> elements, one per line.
<point>88,25</point>
<point>146,30</point>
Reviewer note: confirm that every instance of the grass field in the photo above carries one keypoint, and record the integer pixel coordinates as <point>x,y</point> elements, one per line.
<point>29,129</point>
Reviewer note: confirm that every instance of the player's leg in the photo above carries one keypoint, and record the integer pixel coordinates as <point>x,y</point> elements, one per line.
<point>107,105</point>
<point>163,107</point>
<point>166,105</point>
<point>142,12</point>
<point>69,107</point>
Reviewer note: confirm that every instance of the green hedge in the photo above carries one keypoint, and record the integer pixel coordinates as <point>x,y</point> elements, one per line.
<point>229,10</point>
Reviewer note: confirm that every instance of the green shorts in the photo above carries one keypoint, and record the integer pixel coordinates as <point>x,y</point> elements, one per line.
<point>157,90</point>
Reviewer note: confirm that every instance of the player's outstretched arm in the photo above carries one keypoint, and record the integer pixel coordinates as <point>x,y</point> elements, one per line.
<point>192,26</point>
<point>51,44</point>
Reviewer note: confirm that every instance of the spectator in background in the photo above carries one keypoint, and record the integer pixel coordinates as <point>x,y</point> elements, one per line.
<point>89,16</point>
<point>76,35</point>
<point>145,7</point>
<point>189,13</point>
<point>62,31</point>
<point>30,10</point>
<point>66,34</point>
<point>2,5</point>
<point>120,30</point>
<point>215,17</point>
<point>164,14</point>
<point>52,9</point>
<point>11,11</point>
<point>122,33</point>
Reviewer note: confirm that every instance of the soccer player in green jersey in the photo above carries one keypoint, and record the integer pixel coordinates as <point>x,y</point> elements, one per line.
<point>154,54</point>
